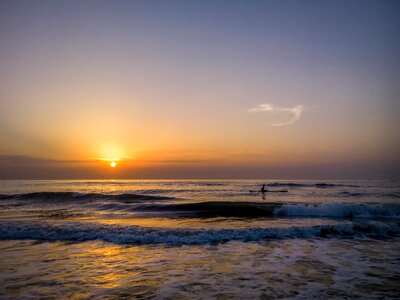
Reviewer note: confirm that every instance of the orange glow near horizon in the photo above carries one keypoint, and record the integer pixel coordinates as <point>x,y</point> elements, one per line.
<point>99,96</point>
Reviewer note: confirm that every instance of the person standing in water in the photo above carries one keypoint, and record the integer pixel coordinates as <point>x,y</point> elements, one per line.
<point>263,189</point>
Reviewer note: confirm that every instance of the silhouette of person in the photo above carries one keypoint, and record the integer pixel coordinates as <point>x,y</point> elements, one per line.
<point>263,189</point>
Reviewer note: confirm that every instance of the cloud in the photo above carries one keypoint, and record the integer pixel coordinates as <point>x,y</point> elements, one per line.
<point>29,160</point>
<point>296,112</point>
<point>188,161</point>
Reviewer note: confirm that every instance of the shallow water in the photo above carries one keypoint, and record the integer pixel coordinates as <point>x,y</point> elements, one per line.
<point>287,268</point>
<point>199,239</point>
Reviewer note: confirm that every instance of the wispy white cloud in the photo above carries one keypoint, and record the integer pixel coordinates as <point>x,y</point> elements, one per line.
<point>295,111</point>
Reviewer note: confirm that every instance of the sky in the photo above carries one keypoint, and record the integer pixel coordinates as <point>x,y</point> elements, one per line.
<point>200,89</point>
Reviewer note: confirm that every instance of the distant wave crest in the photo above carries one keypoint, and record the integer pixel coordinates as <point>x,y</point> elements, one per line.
<point>65,196</point>
<point>316,185</point>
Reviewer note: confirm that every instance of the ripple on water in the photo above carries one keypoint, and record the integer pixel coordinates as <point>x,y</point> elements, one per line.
<point>281,268</point>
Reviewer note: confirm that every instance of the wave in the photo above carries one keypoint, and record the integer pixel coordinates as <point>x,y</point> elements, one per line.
<point>136,235</point>
<point>212,209</point>
<point>65,196</point>
<point>287,184</point>
<point>317,185</point>
<point>259,209</point>
<point>160,205</point>
<point>351,194</point>
<point>392,195</point>
<point>340,210</point>
<point>368,194</point>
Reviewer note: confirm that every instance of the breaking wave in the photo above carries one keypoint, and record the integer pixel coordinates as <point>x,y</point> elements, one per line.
<point>340,210</point>
<point>259,209</point>
<point>171,207</point>
<point>136,235</point>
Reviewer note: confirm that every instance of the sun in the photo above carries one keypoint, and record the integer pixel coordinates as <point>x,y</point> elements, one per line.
<point>112,161</point>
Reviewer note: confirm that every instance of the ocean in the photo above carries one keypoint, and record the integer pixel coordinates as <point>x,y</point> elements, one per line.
<point>199,239</point>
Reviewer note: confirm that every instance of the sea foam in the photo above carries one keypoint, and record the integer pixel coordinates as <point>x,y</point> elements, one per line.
<point>137,235</point>
<point>340,210</point>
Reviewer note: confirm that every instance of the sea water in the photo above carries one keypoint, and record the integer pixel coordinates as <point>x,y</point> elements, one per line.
<point>199,239</point>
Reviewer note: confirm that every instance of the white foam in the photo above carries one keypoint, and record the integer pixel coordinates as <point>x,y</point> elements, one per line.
<point>340,210</point>
<point>75,231</point>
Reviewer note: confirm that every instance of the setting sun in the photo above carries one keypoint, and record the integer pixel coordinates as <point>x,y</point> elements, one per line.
<point>113,164</point>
